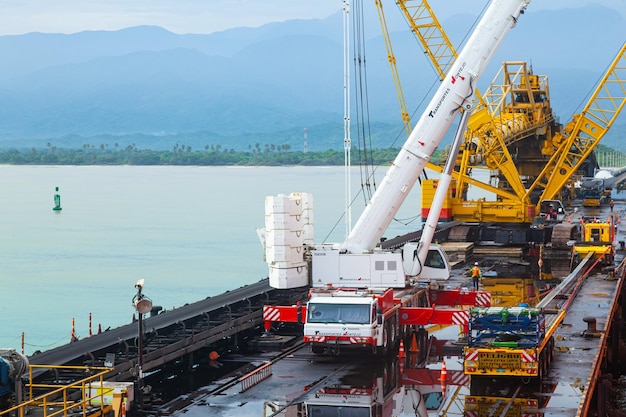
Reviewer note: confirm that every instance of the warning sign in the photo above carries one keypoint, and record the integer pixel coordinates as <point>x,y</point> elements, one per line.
<point>499,360</point>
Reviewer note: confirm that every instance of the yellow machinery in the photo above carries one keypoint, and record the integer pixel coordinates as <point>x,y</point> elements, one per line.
<point>597,199</point>
<point>510,292</point>
<point>90,396</point>
<point>591,202</point>
<point>512,132</point>
<point>597,238</point>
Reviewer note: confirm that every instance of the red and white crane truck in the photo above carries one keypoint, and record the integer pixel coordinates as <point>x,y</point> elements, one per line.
<point>361,295</point>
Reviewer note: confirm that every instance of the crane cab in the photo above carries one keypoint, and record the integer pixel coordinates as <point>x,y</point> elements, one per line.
<point>552,210</point>
<point>436,266</point>
<point>378,269</point>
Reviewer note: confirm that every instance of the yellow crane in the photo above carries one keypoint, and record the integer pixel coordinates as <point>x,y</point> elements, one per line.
<point>513,132</point>
<point>479,147</point>
<point>582,134</point>
<point>406,117</point>
<point>547,155</point>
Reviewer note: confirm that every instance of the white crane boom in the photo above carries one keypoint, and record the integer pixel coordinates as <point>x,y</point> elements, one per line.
<point>452,95</point>
<point>358,263</point>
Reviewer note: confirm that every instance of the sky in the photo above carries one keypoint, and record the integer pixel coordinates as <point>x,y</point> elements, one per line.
<point>206,16</point>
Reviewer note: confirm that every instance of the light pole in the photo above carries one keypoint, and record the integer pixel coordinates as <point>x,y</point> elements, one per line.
<point>143,305</point>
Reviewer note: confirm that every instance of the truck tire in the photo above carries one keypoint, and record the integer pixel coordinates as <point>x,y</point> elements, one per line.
<point>394,343</point>
<point>550,351</point>
<point>479,385</point>
<point>381,351</point>
<point>543,365</point>
<point>318,350</point>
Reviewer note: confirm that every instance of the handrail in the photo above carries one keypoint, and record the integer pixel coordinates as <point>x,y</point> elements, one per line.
<point>252,378</point>
<point>60,401</point>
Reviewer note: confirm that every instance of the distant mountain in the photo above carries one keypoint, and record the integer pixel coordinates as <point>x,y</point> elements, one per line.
<point>155,89</point>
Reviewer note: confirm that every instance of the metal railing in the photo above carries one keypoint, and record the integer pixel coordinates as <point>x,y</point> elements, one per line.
<point>62,400</point>
<point>252,378</point>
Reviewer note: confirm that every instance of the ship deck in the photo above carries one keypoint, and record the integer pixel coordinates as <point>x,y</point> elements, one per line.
<point>304,381</point>
<point>285,376</point>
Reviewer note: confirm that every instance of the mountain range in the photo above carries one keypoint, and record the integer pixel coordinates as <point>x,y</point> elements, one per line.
<point>268,85</point>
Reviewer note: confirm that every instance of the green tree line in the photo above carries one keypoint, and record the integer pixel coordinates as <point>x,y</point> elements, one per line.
<point>216,155</point>
<point>268,155</point>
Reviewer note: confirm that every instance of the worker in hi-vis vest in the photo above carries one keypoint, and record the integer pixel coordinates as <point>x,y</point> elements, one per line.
<point>476,275</point>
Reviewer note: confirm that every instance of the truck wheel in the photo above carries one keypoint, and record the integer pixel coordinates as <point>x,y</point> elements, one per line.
<point>393,340</point>
<point>318,350</point>
<point>382,351</point>
<point>405,332</point>
<point>478,385</point>
<point>551,351</point>
<point>543,359</point>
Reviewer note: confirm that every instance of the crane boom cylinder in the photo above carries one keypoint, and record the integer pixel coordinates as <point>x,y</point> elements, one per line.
<point>452,95</point>
<point>442,188</point>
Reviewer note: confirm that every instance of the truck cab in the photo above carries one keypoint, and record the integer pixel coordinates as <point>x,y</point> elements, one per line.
<point>351,318</point>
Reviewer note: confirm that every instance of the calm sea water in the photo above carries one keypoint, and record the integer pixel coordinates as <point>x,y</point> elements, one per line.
<point>189,231</point>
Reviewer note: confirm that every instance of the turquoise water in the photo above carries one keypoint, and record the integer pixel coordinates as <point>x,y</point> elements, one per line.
<point>189,231</point>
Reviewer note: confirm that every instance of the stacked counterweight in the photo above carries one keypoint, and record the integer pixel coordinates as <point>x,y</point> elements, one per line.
<point>288,229</point>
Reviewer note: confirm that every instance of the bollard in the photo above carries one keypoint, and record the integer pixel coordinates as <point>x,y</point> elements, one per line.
<point>591,324</point>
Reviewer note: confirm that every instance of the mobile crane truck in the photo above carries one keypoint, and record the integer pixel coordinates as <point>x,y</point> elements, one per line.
<point>363,296</point>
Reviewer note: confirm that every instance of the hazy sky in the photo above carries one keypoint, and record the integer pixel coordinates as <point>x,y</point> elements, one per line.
<point>205,16</point>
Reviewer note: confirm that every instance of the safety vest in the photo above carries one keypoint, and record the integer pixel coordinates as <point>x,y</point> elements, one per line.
<point>476,271</point>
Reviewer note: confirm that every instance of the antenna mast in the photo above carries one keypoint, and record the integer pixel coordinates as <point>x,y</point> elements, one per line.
<point>346,114</point>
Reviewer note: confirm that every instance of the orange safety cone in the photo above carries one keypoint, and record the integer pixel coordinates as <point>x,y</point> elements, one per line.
<point>414,348</point>
<point>401,353</point>
<point>569,218</point>
<point>443,377</point>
